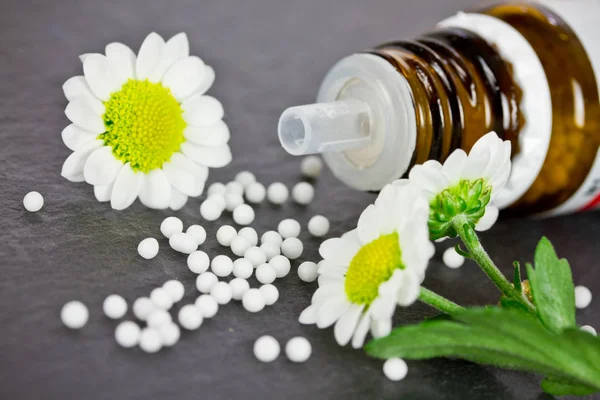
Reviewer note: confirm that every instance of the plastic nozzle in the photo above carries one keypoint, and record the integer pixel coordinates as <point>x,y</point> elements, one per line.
<point>325,127</point>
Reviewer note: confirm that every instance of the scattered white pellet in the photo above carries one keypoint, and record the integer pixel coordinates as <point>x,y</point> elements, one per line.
<point>281,265</point>
<point>253,300</point>
<point>216,188</point>
<point>272,237</point>
<point>270,249</point>
<point>190,317</point>
<point>588,329</point>
<point>198,233</point>
<point>148,248</point>
<point>150,340</point>
<point>169,334</point>
<point>307,271</point>
<point>183,243</point>
<point>158,318</point>
<point>33,201</point>
<point>255,193</point>
<point>198,262</point>
<point>221,292</point>
<point>395,369</point>
<point>583,296</point>
<point>234,187</point>
<point>232,200</point>
<point>239,245</point>
<point>219,200</point>
<point>298,349</point>
<point>175,289</point>
<point>242,268</point>
<point>207,305</point>
<point>292,248</point>
<point>114,306</point>
<point>243,214</point>
<point>303,193</point>
<point>245,178</point>
<point>265,273</point>
<point>143,307</point>
<point>452,259</point>
<point>127,334</point>
<point>238,286</point>
<point>171,225</point>
<point>311,166</point>
<point>210,210</point>
<point>277,193</point>
<point>161,298</point>
<point>318,226</point>
<point>255,255</point>
<point>289,228</point>
<point>205,281</point>
<point>270,293</point>
<point>225,235</point>
<point>221,265</point>
<point>250,234</point>
<point>74,314</point>
<point>266,348</point>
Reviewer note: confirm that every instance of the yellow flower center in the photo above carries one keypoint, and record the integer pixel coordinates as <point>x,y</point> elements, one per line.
<point>374,264</point>
<point>144,124</point>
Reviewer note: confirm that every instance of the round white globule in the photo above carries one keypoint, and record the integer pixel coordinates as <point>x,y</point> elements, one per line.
<point>245,178</point>
<point>183,243</point>
<point>206,281</point>
<point>158,318</point>
<point>318,226</point>
<point>292,248</point>
<point>225,235</point>
<point>171,225</point>
<point>395,369</point>
<point>250,234</point>
<point>198,262</point>
<point>150,340</point>
<point>311,166</point>
<point>210,210</point>
<point>221,292</point>
<point>198,233</point>
<point>175,289</point>
<point>265,273</point>
<point>169,334</point>
<point>242,268</point>
<point>289,228</point>
<point>243,214</point>
<point>207,305</point>
<point>253,300</point>
<point>219,200</point>
<point>255,193</point>
<point>239,245</point>
<point>272,237</point>
<point>270,249</point>
<point>216,188</point>
<point>33,201</point>
<point>298,349</point>
<point>277,193</point>
<point>190,317</point>
<point>270,293</point>
<point>266,348</point>
<point>74,315</point>
<point>161,298</point>
<point>148,248</point>
<point>452,259</point>
<point>589,329</point>
<point>232,200</point>
<point>127,334</point>
<point>114,306</point>
<point>281,265</point>
<point>221,265</point>
<point>303,193</point>
<point>307,271</point>
<point>255,255</point>
<point>583,296</point>
<point>238,286</point>
<point>143,307</point>
<point>234,187</point>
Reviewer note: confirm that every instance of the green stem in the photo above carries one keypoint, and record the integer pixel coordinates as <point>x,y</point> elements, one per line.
<point>437,301</point>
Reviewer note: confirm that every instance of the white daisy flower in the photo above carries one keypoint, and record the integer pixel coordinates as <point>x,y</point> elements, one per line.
<point>464,184</point>
<point>142,126</point>
<point>370,270</point>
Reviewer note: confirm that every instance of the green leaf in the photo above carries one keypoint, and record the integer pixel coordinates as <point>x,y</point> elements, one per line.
<point>517,276</point>
<point>552,288</point>
<point>511,304</point>
<point>557,387</point>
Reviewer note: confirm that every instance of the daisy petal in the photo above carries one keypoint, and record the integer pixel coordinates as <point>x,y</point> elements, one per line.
<point>338,250</point>
<point>345,326</point>
<point>76,87</point>
<point>178,199</point>
<point>84,56</point>
<point>101,76</point>
<point>428,178</point>
<point>72,168</point>
<point>213,135</point>
<point>324,293</point>
<point>123,60</point>
<point>329,268</point>
<point>323,280</point>
<point>479,158</point>
<point>331,310</point>
<point>352,236</point>
<point>308,316</point>
<point>214,157</point>
<point>454,165</point>
<point>383,306</point>
<point>85,115</point>
<point>384,206</point>
<point>208,80</point>
<point>202,110</point>
<point>74,137</point>
<point>126,188</point>
<point>488,220</point>
<point>156,191</point>
<point>184,77</point>
<point>381,328</point>
<point>175,49</point>
<point>149,55</point>
<point>367,225</point>
<point>361,331</point>
<point>185,175</point>
<point>101,167</point>
<point>409,290</point>
<point>103,192</point>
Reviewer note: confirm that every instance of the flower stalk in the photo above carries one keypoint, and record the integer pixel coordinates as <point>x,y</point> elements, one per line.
<point>436,301</point>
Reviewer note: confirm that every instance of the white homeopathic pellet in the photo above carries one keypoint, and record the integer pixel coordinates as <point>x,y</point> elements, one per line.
<point>395,369</point>
<point>238,286</point>
<point>266,348</point>
<point>158,318</point>
<point>242,268</point>
<point>318,226</point>
<point>198,233</point>
<point>175,289</point>
<point>232,200</point>
<point>239,245</point>
<point>245,178</point>
<point>74,314</point>
<point>583,296</point>
<point>205,282</point>
<point>243,214</point>
<point>250,234</point>
<point>255,193</point>
<point>219,200</point>
<point>143,307</point>
<point>210,210</point>
<point>234,187</point>
<point>311,166</point>
<point>161,298</point>
<point>281,265</point>
<point>303,193</point>
<point>221,265</point>
<point>183,243</point>
<point>588,329</point>
<point>255,255</point>
<point>148,248</point>
<point>292,248</point>
<point>169,334</point>
<point>114,306</point>
<point>150,340</point>
<point>298,349</point>
<point>127,334</point>
<point>33,201</point>
<point>452,259</point>
<point>270,249</point>
<point>207,305</point>
<point>272,237</point>
<point>265,273</point>
<point>253,300</point>
<point>270,293</point>
<point>225,235</point>
<point>190,317</point>
<point>289,228</point>
<point>277,193</point>
<point>222,293</point>
<point>171,225</point>
<point>198,262</point>
<point>216,188</point>
<point>307,271</point>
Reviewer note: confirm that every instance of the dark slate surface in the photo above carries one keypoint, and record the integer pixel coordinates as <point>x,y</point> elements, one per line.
<point>268,55</point>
